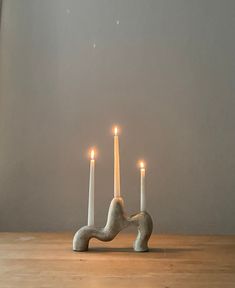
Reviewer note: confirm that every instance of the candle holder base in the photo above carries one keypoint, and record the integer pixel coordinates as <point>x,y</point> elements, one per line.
<point>117,221</point>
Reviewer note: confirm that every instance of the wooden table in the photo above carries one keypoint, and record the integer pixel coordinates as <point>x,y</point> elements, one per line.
<point>31,260</point>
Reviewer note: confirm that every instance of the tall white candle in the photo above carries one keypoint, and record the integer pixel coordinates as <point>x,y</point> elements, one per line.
<point>116,165</point>
<point>142,187</point>
<point>90,220</point>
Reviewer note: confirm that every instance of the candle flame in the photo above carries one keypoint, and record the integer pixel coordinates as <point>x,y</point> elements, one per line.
<point>115,130</point>
<point>92,154</point>
<point>142,164</point>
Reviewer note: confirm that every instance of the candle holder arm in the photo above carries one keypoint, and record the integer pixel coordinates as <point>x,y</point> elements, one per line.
<point>116,221</point>
<point>144,224</point>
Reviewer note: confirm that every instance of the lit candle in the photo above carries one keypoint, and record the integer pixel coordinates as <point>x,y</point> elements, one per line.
<point>116,164</point>
<point>91,189</point>
<point>142,187</point>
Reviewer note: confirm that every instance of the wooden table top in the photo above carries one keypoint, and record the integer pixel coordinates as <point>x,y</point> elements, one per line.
<point>31,260</point>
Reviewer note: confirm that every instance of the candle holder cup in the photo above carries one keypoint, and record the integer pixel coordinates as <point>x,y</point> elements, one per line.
<point>116,221</point>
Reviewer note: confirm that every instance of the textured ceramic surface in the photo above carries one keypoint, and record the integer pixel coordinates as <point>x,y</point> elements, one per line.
<point>117,220</point>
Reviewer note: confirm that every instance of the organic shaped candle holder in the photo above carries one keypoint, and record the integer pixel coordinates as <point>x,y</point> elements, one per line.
<point>117,221</point>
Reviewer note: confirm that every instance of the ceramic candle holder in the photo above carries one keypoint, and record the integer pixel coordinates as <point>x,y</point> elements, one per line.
<point>117,221</point>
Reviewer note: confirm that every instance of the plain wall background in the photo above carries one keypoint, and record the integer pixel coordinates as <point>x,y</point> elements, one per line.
<point>165,73</point>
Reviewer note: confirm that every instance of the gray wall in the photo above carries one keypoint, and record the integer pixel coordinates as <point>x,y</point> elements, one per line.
<point>165,73</point>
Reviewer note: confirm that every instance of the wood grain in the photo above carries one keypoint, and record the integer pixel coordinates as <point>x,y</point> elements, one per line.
<point>46,260</point>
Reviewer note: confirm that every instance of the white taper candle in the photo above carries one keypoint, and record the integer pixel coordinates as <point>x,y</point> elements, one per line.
<point>91,220</point>
<point>142,187</point>
<point>116,165</point>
